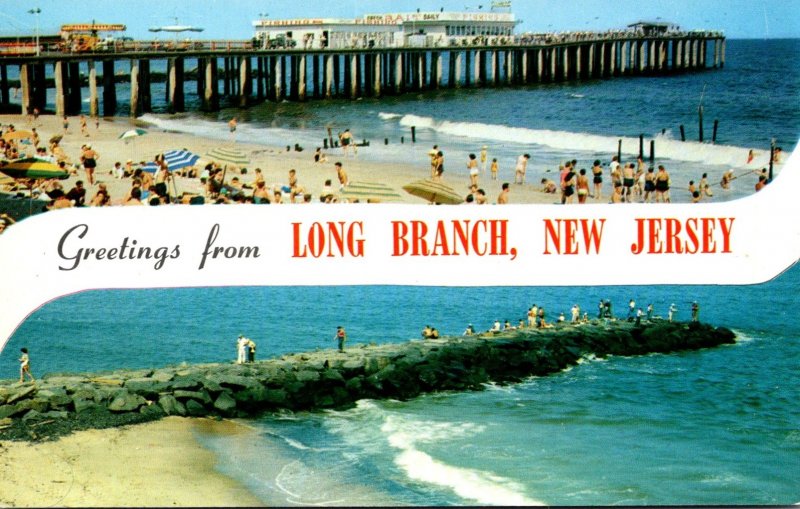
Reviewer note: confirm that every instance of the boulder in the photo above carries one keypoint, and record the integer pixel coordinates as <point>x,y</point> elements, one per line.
<point>171,405</point>
<point>20,393</point>
<point>225,403</point>
<point>83,404</point>
<point>307,375</point>
<point>195,409</point>
<point>147,387</point>
<point>125,401</point>
<point>201,396</point>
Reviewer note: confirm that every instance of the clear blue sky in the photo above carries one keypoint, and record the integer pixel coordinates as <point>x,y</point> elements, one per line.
<point>231,19</point>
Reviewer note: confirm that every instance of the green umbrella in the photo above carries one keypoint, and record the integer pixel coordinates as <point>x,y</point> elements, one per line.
<point>434,192</point>
<point>369,191</point>
<point>32,168</point>
<point>228,155</point>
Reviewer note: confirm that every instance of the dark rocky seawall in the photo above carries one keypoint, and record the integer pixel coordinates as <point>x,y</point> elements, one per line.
<point>59,404</point>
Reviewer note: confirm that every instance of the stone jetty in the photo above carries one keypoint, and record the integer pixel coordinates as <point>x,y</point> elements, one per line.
<point>59,404</point>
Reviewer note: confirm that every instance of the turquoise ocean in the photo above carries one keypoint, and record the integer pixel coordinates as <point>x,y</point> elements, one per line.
<point>710,427</point>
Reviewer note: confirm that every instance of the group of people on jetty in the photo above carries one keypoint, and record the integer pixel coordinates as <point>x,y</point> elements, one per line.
<point>631,182</point>
<point>537,318</point>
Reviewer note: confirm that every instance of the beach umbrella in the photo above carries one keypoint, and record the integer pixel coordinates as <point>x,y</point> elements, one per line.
<point>132,133</point>
<point>175,159</point>
<point>369,191</point>
<point>17,135</point>
<point>32,168</point>
<point>228,155</point>
<point>434,192</point>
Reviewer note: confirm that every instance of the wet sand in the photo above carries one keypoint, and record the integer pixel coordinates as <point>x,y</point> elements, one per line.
<point>155,464</point>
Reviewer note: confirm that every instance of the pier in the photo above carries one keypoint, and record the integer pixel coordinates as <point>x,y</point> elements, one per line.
<point>60,403</point>
<point>241,73</point>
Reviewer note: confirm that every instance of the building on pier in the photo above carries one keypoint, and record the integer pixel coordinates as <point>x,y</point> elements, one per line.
<point>399,30</point>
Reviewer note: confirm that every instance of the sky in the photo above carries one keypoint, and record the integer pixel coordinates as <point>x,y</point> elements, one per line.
<point>232,19</point>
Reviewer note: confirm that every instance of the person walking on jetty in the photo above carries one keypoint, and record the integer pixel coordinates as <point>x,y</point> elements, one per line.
<point>25,366</point>
<point>340,337</point>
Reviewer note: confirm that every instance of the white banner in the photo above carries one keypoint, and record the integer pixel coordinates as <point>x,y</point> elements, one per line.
<point>745,241</point>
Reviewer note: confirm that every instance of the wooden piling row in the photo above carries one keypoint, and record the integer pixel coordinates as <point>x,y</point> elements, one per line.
<point>299,75</point>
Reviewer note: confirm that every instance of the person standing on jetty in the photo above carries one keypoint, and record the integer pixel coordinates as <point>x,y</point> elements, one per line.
<point>25,366</point>
<point>251,350</point>
<point>241,349</point>
<point>340,337</point>
<point>695,311</point>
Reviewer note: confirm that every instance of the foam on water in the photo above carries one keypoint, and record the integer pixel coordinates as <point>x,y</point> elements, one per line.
<point>666,147</point>
<point>477,485</point>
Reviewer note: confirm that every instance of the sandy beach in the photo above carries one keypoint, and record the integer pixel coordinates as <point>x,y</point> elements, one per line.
<point>154,464</point>
<point>275,163</point>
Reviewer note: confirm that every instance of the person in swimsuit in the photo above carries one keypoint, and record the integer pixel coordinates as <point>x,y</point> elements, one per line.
<point>649,184</point>
<point>89,159</point>
<point>346,139</point>
<point>569,186</point>
<point>472,168</point>
<point>583,186</point>
<point>597,179</point>
<point>627,181</point>
<point>662,185</point>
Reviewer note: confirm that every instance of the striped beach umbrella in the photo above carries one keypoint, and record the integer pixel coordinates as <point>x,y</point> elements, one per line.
<point>228,155</point>
<point>434,192</point>
<point>132,133</point>
<point>32,168</point>
<point>369,191</point>
<point>175,159</point>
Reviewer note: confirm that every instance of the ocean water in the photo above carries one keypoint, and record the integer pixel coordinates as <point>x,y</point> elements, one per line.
<point>717,426</point>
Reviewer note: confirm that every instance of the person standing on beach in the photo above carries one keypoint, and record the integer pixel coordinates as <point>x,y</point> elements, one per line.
<point>662,185</point>
<point>232,124</point>
<point>345,140</point>
<point>597,178</point>
<point>25,366</point>
<point>65,124</point>
<point>483,158</point>
<point>342,175</point>
<point>472,168</point>
<point>340,337</point>
<point>89,159</point>
<point>519,171</point>
<point>493,169</point>
<point>583,186</point>
<point>84,127</point>
<point>434,156</point>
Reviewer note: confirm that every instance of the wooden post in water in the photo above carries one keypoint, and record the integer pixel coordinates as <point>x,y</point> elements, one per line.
<point>700,122</point>
<point>413,134</point>
<point>652,152</point>
<point>714,134</point>
<point>771,158</point>
<point>641,146</point>
<point>683,133</point>
<point>619,150</point>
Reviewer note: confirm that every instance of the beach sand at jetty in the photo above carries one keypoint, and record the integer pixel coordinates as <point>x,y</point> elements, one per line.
<point>154,464</point>
<point>275,163</point>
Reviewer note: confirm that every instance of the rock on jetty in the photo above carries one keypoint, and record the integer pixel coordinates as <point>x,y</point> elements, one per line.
<point>59,404</point>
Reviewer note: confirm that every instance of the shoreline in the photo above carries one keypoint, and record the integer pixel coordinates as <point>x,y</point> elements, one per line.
<point>159,463</point>
<point>275,163</point>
